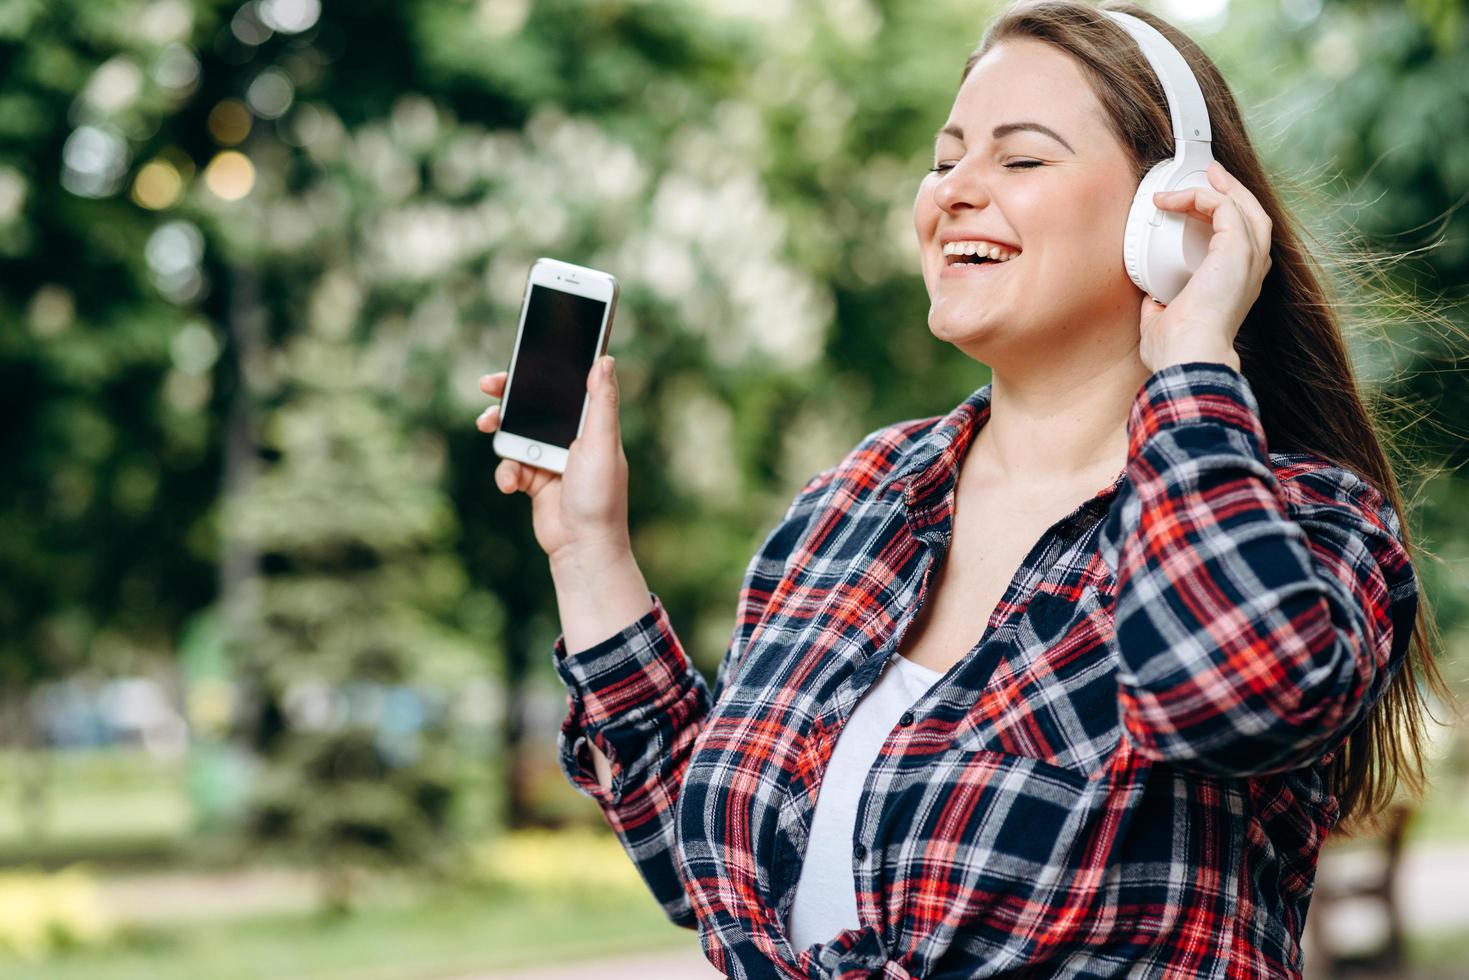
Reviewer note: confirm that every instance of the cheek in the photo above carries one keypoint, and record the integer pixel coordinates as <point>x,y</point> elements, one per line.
<point>1102,209</point>
<point>925,226</point>
<point>925,212</point>
<point>1081,221</point>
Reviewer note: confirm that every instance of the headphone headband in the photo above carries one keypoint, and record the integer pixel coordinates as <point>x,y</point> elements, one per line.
<point>1162,249</point>
<point>1185,98</point>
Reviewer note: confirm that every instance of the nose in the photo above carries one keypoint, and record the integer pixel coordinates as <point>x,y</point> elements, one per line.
<point>959,189</point>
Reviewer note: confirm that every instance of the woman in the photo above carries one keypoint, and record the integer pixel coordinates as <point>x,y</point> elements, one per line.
<point>1195,654</point>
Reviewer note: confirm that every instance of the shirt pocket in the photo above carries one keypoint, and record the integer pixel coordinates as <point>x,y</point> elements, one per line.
<point>1053,695</point>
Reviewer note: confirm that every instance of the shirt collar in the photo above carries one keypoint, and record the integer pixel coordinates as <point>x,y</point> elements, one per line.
<point>937,454</point>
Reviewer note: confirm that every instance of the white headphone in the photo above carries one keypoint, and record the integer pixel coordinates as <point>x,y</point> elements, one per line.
<point>1163,248</point>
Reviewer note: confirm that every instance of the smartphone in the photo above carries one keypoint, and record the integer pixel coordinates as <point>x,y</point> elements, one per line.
<point>565,321</point>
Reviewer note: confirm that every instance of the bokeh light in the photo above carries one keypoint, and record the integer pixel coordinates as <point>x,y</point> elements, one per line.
<point>94,161</point>
<point>290,16</point>
<point>230,175</point>
<point>157,185</point>
<point>12,194</point>
<point>501,18</point>
<point>165,21</point>
<point>176,69</point>
<point>302,127</point>
<point>51,310</point>
<point>173,253</point>
<point>194,348</point>
<point>229,122</point>
<point>1301,11</point>
<point>114,85</point>
<point>247,26</point>
<point>1199,16</point>
<point>270,94</point>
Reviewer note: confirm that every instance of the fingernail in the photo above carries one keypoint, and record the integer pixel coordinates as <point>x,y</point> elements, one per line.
<point>607,366</point>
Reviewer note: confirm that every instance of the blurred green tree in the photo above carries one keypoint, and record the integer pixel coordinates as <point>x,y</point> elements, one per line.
<point>105,383</point>
<point>350,649</point>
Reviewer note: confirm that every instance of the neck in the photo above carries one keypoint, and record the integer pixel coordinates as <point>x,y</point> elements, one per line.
<point>1059,424</point>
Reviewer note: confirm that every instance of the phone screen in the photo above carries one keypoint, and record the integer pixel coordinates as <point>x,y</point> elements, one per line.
<point>557,346</point>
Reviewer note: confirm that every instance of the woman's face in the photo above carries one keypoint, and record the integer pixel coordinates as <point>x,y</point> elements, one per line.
<point>1060,200</point>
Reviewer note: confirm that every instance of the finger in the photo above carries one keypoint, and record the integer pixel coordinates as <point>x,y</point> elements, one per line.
<point>493,384</point>
<point>1256,230</point>
<point>534,477</point>
<point>1220,178</point>
<point>489,419</point>
<point>1221,211</point>
<point>1232,228</point>
<point>602,429</point>
<point>1260,221</point>
<point>1249,204</point>
<point>1197,202</point>
<point>507,476</point>
<point>1231,186</point>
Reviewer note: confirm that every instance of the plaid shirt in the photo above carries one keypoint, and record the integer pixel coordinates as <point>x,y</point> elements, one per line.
<point>1125,774</point>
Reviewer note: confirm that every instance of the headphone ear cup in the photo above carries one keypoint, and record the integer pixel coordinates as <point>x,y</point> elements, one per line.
<point>1140,224</point>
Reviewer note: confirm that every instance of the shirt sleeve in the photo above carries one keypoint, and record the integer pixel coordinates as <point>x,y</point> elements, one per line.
<point>1257,624</point>
<point>639,698</point>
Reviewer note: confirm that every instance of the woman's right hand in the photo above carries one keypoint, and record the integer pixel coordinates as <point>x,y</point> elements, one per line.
<point>584,510</point>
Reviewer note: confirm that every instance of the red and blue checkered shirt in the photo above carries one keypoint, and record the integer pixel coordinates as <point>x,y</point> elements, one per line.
<point>1124,776</point>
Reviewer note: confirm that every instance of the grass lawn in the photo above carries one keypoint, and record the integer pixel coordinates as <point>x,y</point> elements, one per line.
<point>99,804</point>
<point>1444,816</point>
<point>444,933</point>
<point>1447,952</point>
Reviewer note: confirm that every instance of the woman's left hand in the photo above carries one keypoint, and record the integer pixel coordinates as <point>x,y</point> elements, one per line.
<point>1203,319</point>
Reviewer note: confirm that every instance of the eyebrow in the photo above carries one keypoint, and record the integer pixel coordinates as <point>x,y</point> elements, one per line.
<point>1005,129</point>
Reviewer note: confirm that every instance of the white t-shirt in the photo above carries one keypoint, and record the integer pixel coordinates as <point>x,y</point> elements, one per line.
<point>826,893</point>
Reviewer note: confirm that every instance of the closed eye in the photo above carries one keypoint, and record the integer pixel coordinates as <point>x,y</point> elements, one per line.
<point>1020,164</point>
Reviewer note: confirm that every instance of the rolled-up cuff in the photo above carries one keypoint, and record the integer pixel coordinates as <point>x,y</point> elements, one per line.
<point>1195,391</point>
<point>615,691</point>
<point>621,676</point>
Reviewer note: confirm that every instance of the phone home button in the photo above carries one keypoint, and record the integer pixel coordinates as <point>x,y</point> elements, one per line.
<point>534,452</point>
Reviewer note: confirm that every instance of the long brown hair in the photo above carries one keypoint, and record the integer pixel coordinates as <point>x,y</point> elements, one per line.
<point>1291,344</point>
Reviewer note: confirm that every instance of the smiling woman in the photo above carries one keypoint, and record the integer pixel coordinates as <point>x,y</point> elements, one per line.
<point>1076,678</point>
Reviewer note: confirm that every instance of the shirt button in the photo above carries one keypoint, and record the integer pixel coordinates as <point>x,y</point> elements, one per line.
<point>907,718</point>
<point>859,852</point>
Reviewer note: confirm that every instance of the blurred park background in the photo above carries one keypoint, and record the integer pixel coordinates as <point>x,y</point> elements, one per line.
<point>277,694</point>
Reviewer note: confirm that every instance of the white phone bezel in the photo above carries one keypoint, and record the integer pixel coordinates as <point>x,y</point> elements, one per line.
<point>579,281</point>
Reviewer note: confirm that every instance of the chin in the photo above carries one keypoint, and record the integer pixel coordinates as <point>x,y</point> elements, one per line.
<point>951,319</point>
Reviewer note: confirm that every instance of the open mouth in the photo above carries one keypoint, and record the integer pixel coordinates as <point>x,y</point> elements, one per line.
<point>971,263</point>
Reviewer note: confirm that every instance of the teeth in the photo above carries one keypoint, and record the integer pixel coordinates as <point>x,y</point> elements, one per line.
<point>996,252</point>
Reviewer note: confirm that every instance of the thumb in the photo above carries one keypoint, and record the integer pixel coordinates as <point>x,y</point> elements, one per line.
<point>602,423</point>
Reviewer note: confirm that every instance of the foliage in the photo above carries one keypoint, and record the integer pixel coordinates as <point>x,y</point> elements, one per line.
<point>42,912</point>
<point>108,446</point>
<point>558,864</point>
<point>350,653</point>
